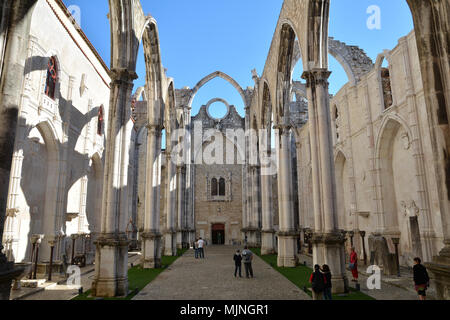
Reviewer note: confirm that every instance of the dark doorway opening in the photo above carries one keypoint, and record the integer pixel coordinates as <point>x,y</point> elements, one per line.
<point>218,234</point>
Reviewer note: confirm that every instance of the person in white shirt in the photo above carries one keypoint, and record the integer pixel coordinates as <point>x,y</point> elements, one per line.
<point>200,245</point>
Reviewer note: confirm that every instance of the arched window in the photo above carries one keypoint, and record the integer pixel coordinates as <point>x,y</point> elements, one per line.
<point>387,88</point>
<point>214,191</point>
<point>100,120</point>
<point>52,77</point>
<point>222,187</point>
<point>336,121</point>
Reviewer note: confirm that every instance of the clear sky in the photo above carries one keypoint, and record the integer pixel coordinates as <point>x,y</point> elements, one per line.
<point>202,36</point>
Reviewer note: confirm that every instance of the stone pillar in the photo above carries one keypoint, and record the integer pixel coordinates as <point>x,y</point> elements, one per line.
<point>111,260</point>
<point>432,32</point>
<point>181,173</point>
<point>151,237</point>
<point>14,33</point>
<point>301,212</point>
<point>256,207</point>
<point>268,233</point>
<point>328,242</point>
<point>10,237</point>
<point>287,236</point>
<point>170,248</point>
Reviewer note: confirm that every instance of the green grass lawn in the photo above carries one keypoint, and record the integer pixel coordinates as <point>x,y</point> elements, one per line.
<point>300,277</point>
<point>138,278</point>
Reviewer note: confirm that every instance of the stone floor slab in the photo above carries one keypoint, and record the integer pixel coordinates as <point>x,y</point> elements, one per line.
<point>213,279</point>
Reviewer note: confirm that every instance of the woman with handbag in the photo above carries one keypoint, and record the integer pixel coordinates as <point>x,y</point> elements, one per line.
<point>354,264</point>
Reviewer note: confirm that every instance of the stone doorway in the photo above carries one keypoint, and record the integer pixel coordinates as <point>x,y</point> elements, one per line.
<point>218,234</point>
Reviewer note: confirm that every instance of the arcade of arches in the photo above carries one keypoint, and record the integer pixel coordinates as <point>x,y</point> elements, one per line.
<point>84,171</point>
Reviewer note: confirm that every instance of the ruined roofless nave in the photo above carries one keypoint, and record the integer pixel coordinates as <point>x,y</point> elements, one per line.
<point>93,167</point>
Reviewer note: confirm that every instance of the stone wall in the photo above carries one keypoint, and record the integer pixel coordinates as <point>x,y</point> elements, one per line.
<point>56,181</point>
<point>383,158</point>
<point>228,209</point>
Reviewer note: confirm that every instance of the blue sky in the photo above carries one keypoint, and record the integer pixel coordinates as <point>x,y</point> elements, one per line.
<point>202,36</point>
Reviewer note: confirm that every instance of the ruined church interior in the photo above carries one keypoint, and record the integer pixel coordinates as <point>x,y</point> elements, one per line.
<point>106,176</point>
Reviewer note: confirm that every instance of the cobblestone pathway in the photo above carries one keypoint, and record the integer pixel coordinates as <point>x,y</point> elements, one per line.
<point>213,279</point>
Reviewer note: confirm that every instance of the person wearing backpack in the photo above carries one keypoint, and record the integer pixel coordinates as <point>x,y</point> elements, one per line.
<point>318,282</point>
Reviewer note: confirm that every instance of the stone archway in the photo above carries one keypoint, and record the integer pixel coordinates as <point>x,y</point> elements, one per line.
<point>208,78</point>
<point>129,26</point>
<point>397,187</point>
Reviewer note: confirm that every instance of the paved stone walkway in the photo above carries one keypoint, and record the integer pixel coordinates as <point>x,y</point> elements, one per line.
<point>213,279</point>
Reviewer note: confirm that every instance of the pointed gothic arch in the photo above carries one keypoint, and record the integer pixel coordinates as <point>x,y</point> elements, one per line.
<point>208,78</point>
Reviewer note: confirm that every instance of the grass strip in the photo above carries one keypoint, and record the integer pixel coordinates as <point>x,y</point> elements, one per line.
<point>300,277</point>
<point>138,278</point>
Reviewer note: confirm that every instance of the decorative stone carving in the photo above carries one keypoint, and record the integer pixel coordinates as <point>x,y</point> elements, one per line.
<point>410,208</point>
<point>406,141</point>
<point>83,85</point>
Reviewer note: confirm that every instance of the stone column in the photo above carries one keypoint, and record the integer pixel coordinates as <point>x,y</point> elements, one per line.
<point>287,236</point>
<point>15,28</point>
<point>111,260</point>
<point>12,209</point>
<point>432,32</point>
<point>301,206</point>
<point>151,237</point>
<point>181,173</point>
<point>170,248</point>
<point>268,232</point>
<point>256,206</point>
<point>328,242</point>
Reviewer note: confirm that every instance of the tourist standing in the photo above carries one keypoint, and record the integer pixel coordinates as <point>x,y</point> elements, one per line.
<point>201,250</point>
<point>421,278</point>
<point>247,257</point>
<point>196,249</point>
<point>318,282</point>
<point>354,264</point>
<point>328,286</point>
<point>237,263</point>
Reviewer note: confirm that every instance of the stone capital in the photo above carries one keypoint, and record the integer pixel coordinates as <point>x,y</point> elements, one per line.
<point>288,233</point>
<point>316,77</point>
<point>37,238</point>
<point>181,169</point>
<point>103,242</point>
<point>170,231</point>
<point>122,76</point>
<point>283,129</point>
<point>151,234</point>
<point>154,129</point>
<point>328,238</point>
